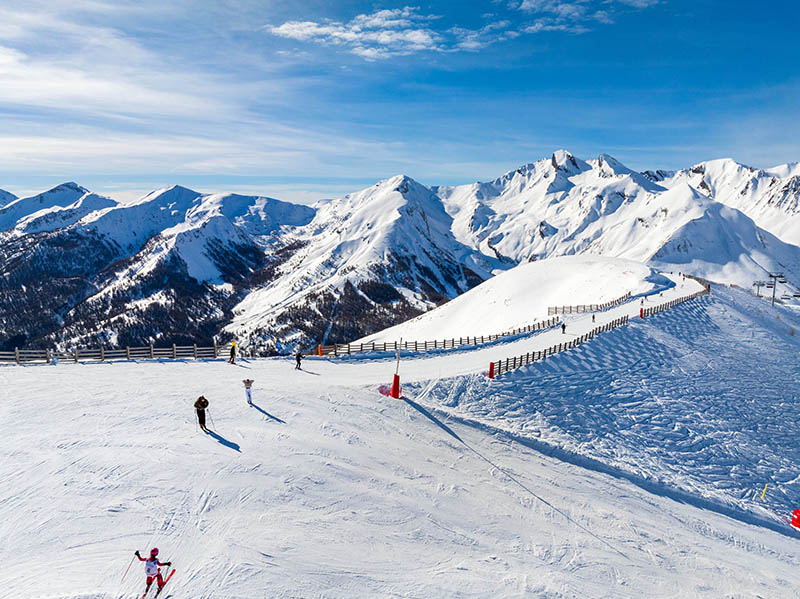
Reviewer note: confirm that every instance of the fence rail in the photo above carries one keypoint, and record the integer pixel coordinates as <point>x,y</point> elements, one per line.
<point>150,352</point>
<point>580,308</point>
<point>660,308</point>
<point>508,364</point>
<point>420,346</point>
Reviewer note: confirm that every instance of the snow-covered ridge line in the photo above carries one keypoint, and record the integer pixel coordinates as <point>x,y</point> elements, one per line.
<point>423,346</point>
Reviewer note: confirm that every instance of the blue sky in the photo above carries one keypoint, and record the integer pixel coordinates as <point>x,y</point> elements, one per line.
<point>302,100</point>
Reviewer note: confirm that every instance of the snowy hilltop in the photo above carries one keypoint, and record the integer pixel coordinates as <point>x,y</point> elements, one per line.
<point>179,266</point>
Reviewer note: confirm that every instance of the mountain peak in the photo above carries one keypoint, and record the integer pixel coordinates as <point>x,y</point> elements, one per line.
<point>609,164</point>
<point>564,161</point>
<point>68,186</point>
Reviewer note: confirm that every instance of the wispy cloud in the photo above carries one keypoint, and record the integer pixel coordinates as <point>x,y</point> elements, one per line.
<point>51,62</point>
<point>380,34</point>
<point>574,16</point>
<point>404,31</point>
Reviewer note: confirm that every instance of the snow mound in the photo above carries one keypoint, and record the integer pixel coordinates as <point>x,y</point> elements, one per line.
<point>522,295</point>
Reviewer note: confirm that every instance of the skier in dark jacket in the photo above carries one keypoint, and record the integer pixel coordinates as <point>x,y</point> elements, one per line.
<point>200,405</point>
<point>298,356</point>
<point>152,569</point>
<point>563,328</point>
<point>232,359</point>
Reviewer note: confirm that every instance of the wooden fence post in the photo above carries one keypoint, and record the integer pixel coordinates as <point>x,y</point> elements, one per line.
<point>102,354</point>
<point>152,353</point>
<point>128,352</point>
<point>174,352</point>
<point>76,354</point>
<point>195,350</point>
<point>16,354</point>
<point>216,355</point>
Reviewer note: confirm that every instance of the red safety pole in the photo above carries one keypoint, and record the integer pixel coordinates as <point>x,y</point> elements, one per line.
<point>491,370</point>
<point>319,350</point>
<point>396,380</point>
<point>641,312</point>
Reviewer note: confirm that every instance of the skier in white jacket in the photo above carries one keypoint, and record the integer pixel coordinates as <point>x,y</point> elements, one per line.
<point>248,384</point>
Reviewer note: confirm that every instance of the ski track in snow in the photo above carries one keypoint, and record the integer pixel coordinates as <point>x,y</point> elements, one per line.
<point>327,489</point>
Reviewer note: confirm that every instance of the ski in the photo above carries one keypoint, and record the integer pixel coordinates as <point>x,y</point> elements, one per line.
<point>166,580</point>
<point>158,592</point>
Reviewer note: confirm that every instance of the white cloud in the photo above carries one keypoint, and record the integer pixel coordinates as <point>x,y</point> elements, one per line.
<point>403,31</point>
<point>573,16</point>
<point>380,34</point>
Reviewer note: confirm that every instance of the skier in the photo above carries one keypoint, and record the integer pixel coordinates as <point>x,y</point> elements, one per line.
<point>233,354</point>
<point>563,328</point>
<point>297,358</point>
<point>592,317</point>
<point>152,570</point>
<point>248,383</point>
<point>200,405</point>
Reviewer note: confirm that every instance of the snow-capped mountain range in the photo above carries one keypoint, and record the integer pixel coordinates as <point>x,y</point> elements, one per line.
<point>180,266</point>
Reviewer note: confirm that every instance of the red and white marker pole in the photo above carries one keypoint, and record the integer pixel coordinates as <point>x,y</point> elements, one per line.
<point>396,380</point>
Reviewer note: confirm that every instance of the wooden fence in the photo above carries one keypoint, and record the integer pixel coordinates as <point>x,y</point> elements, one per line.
<point>586,307</point>
<point>25,356</point>
<point>420,346</point>
<point>508,364</point>
<point>660,308</point>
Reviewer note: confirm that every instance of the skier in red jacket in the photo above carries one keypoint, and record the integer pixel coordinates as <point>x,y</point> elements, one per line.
<point>152,570</point>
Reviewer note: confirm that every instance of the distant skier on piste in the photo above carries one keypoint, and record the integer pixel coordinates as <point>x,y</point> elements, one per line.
<point>153,571</point>
<point>232,359</point>
<point>248,384</point>
<point>200,405</point>
<point>298,356</point>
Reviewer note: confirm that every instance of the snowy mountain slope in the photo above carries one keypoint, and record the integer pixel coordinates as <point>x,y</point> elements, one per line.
<point>521,296</point>
<point>61,196</point>
<point>595,476</point>
<point>770,197</point>
<point>564,206</point>
<point>6,197</point>
<point>724,244</point>
<point>171,264</point>
<point>277,276</point>
<point>63,216</point>
<point>373,258</point>
<point>693,401</point>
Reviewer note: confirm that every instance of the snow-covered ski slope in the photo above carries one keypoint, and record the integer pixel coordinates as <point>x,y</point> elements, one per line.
<point>522,295</point>
<point>631,466</point>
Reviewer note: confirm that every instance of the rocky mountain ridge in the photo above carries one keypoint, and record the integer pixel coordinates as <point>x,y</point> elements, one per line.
<point>181,266</point>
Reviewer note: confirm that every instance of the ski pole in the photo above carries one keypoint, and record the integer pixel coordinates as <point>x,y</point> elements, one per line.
<point>211,419</point>
<point>128,568</point>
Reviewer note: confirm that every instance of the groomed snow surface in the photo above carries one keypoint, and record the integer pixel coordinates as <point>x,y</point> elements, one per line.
<point>521,296</point>
<point>631,466</point>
